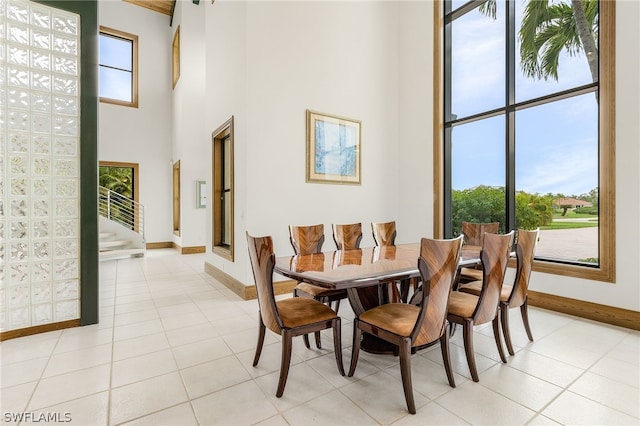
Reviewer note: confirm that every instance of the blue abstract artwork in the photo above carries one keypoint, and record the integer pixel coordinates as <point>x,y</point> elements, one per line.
<point>336,148</point>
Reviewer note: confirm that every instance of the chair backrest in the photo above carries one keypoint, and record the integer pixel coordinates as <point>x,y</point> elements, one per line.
<point>438,265</point>
<point>262,263</point>
<point>525,249</point>
<point>384,234</point>
<point>347,237</point>
<point>473,232</point>
<point>306,239</point>
<point>496,249</point>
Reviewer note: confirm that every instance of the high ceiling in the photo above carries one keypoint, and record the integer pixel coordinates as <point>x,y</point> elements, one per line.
<point>163,6</point>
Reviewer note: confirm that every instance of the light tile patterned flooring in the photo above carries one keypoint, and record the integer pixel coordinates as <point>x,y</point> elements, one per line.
<point>175,347</point>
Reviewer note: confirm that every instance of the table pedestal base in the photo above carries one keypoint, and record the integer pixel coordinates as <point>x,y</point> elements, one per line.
<point>374,345</point>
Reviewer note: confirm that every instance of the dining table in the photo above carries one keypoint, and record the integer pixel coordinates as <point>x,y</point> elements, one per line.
<point>365,273</point>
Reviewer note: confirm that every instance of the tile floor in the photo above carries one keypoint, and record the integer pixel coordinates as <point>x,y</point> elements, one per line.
<point>175,347</point>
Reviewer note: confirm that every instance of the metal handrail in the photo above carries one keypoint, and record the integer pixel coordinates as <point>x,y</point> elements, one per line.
<point>121,209</point>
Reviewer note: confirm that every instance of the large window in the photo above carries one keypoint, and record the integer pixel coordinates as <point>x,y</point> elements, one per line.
<point>527,125</point>
<point>118,67</point>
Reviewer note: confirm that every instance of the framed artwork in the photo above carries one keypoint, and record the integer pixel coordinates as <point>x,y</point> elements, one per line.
<point>333,149</point>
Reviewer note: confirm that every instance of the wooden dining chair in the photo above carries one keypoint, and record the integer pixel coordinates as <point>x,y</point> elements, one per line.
<point>473,235</point>
<point>409,326</point>
<point>308,240</point>
<point>290,317</point>
<point>347,237</point>
<point>474,232</point>
<point>514,296</point>
<point>469,310</point>
<point>384,233</point>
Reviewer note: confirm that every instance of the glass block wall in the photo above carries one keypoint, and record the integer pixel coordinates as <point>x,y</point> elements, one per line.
<point>39,165</point>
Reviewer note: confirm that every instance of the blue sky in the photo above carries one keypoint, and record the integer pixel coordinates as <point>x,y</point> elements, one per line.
<point>115,84</point>
<point>556,144</point>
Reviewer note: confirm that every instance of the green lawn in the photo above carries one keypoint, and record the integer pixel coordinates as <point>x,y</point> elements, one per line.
<point>570,225</point>
<point>573,215</point>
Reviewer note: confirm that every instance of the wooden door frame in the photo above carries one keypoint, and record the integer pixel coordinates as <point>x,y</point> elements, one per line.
<point>136,185</point>
<point>176,198</point>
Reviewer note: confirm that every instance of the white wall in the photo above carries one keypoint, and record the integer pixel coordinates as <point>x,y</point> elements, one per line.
<point>625,293</point>
<point>371,61</point>
<point>143,135</point>
<point>190,139</point>
<point>226,97</point>
<point>415,109</point>
<point>339,58</point>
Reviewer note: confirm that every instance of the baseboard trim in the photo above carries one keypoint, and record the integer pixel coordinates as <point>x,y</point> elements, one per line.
<point>189,250</point>
<point>589,310</point>
<point>193,250</point>
<point>37,329</point>
<point>181,250</point>
<point>159,245</point>
<point>246,292</point>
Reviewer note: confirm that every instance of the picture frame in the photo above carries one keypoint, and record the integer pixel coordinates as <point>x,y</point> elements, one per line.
<point>333,149</point>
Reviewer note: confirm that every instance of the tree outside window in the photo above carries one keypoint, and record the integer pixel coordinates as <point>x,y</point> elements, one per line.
<point>522,121</point>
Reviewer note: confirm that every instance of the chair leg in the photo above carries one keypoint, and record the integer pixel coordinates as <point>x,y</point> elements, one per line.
<point>261,331</point>
<point>467,334</point>
<point>446,358</point>
<point>337,305</point>
<point>452,329</point>
<point>337,344</point>
<point>504,321</point>
<point>355,349</point>
<point>404,290</point>
<point>305,337</point>
<point>405,369</point>
<point>318,341</point>
<point>496,334</point>
<point>285,362</point>
<point>525,319</point>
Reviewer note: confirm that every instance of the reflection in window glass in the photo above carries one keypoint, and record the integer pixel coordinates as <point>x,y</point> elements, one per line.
<point>478,173</point>
<point>557,166</point>
<point>226,200</point>
<point>477,58</point>
<point>571,68</point>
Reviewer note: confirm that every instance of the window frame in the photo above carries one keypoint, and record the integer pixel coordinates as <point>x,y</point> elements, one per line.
<point>605,271</point>
<point>175,57</point>
<point>110,32</point>
<point>218,137</point>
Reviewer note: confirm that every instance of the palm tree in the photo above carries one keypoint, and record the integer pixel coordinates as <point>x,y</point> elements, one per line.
<point>117,179</point>
<point>548,28</point>
<point>120,181</point>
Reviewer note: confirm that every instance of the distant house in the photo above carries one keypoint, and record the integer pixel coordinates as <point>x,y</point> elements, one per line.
<point>571,203</point>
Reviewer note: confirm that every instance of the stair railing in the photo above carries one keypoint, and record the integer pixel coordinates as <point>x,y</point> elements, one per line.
<point>121,209</point>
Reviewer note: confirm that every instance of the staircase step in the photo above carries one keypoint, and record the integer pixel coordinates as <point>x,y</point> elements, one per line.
<point>110,245</point>
<point>120,254</point>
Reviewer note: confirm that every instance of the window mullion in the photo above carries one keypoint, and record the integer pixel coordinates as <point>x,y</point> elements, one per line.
<point>447,149</point>
<point>510,100</point>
